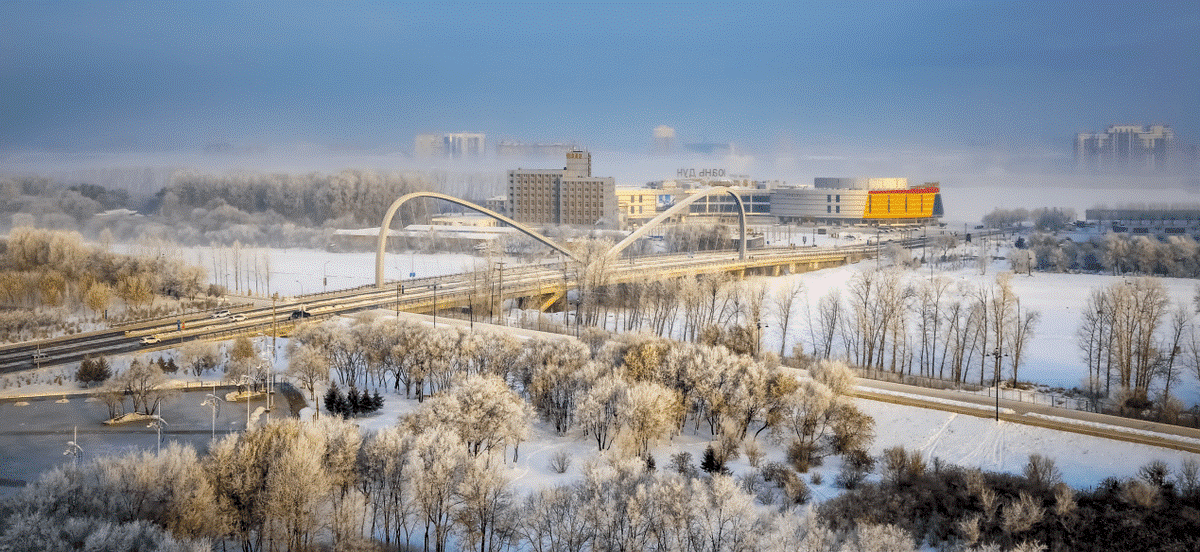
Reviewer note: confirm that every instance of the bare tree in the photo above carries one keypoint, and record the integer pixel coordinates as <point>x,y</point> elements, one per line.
<point>784,300</point>
<point>1022,330</point>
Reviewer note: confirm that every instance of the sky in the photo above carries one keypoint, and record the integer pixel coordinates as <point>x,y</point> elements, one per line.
<point>768,77</point>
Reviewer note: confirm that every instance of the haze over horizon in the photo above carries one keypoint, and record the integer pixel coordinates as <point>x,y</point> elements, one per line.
<point>772,79</point>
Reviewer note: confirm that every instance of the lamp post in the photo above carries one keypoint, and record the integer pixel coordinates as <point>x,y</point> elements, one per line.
<point>500,291</point>
<point>246,380</point>
<point>157,423</point>
<point>435,304</point>
<point>212,400</point>
<point>297,280</point>
<point>996,354</point>
<point>74,450</point>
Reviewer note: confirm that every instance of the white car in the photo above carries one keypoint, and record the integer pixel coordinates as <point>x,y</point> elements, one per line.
<point>150,340</point>
<point>237,317</point>
<point>221,314</point>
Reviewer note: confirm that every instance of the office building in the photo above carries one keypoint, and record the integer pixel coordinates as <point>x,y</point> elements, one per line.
<point>570,196</point>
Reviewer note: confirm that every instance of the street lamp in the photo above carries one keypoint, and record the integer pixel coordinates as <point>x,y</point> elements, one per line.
<point>297,280</point>
<point>157,422</point>
<point>212,400</point>
<point>247,380</point>
<point>435,304</point>
<point>74,450</point>
<point>996,354</point>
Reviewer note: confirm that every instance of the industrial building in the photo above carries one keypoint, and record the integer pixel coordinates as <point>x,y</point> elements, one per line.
<point>858,201</point>
<point>1155,222</point>
<point>570,195</point>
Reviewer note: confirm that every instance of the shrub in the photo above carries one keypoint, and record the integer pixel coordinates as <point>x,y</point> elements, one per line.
<point>856,465</point>
<point>816,478</point>
<point>682,464</point>
<point>754,452</point>
<point>560,462</point>
<point>803,456</point>
<point>1041,472</point>
<point>1155,473</point>
<point>794,488</point>
<point>852,429</point>
<point>901,467</point>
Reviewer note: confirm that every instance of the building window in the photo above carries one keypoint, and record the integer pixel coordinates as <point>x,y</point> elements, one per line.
<point>839,209</point>
<point>828,209</point>
<point>839,198</point>
<point>828,198</point>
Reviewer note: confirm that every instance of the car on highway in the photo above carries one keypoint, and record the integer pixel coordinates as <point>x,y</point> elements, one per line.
<point>221,314</point>
<point>298,314</point>
<point>237,317</point>
<point>150,340</point>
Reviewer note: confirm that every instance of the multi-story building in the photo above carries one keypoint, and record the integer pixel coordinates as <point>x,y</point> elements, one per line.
<point>637,205</point>
<point>455,145</point>
<point>569,196</point>
<point>459,145</point>
<point>1127,148</point>
<point>509,148</point>
<point>858,200</point>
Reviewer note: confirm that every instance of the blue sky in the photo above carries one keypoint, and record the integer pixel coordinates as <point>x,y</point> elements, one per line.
<point>149,76</point>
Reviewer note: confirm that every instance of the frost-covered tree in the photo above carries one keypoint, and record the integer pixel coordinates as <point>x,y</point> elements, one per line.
<point>481,411</point>
<point>143,382</point>
<point>600,412</point>
<point>309,367</point>
<point>649,412</point>
<point>439,462</point>
<point>198,356</point>
<point>487,519</point>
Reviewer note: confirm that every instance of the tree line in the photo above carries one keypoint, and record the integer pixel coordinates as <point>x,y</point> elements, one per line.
<point>48,268</point>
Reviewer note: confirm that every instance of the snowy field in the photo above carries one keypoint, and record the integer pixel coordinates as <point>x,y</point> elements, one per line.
<point>1053,357</point>
<point>957,439</point>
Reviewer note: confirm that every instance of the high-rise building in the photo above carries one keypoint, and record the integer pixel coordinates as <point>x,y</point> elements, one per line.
<point>570,195</point>
<point>459,145</point>
<point>1127,148</point>
<point>664,140</point>
<point>455,145</point>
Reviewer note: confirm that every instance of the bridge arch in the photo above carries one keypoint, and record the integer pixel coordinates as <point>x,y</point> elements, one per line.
<point>646,228</point>
<point>391,212</point>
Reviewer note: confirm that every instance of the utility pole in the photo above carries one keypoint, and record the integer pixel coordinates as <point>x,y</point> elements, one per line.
<point>500,292</point>
<point>435,305</point>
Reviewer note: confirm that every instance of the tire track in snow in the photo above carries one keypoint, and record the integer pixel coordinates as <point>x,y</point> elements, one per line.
<point>934,440</point>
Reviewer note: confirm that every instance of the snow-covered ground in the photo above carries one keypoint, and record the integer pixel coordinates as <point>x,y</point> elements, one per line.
<point>958,439</point>
<point>1053,357</point>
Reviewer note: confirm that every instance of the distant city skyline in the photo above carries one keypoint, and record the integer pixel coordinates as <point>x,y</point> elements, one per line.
<point>105,76</point>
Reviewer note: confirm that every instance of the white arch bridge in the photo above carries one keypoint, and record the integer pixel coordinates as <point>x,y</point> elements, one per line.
<point>615,250</point>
